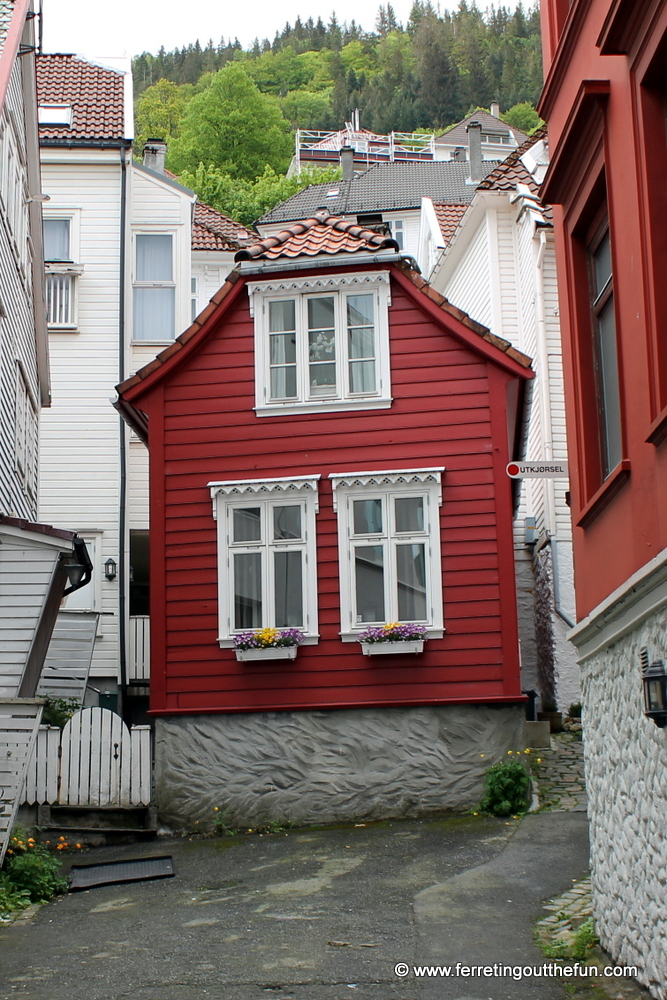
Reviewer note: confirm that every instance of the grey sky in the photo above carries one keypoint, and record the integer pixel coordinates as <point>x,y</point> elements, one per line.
<point>128,27</point>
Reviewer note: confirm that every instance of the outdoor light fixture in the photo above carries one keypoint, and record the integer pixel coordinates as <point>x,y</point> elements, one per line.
<point>110,569</point>
<point>654,677</point>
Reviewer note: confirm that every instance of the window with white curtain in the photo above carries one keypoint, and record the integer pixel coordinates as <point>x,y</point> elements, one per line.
<point>61,237</point>
<point>154,299</point>
<point>322,343</point>
<point>266,555</point>
<point>389,549</point>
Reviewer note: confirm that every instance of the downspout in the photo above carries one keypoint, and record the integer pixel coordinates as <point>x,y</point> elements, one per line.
<point>545,390</point>
<point>122,518</point>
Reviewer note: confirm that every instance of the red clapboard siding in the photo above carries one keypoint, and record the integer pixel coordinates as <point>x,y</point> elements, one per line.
<point>449,409</point>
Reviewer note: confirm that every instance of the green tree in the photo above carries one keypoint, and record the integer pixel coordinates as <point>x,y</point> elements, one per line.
<point>245,200</point>
<point>159,111</point>
<point>232,126</point>
<point>523,116</point>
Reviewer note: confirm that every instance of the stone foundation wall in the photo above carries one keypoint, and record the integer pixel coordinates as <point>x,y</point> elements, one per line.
<point>323,767</point>
<point>626,776</point>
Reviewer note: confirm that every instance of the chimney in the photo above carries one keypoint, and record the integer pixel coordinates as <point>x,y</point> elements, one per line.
<point>347,162</point>
<point>459,154</point>
<point>155,151</point>
<point>495,109</point>
<point>474,131</point>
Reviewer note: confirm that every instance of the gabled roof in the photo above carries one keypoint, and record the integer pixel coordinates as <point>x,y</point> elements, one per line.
<point>383,187</point>
<point>214,231</point>
<point>449,217</point>
<point>494,347</point>
<point>95,93</point>
<point>512,171</point>
<point>321,234</point>
<point>459,136</point>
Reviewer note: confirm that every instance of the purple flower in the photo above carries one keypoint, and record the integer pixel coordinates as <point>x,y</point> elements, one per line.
<point>393,632</point>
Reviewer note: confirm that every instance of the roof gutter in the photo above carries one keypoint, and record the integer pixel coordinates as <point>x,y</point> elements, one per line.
<point>264,266</point>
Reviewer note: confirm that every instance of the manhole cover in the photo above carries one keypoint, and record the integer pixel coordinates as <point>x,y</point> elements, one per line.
<point>91,876</point>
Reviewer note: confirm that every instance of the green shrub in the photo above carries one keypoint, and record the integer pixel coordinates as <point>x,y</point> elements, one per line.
<point>34,873</point>
<point>574,711</point>
<point>506,789</point>
<point>58,711</point>
<point>11,898</point>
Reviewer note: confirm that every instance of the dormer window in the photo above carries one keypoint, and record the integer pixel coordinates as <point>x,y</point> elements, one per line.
<point>321,343</point>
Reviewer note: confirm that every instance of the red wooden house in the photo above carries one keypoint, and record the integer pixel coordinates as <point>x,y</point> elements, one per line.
<point>328,444</point>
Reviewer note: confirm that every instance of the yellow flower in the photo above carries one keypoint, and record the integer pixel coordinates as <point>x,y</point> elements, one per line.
<point>267,636</point>
<point>390,625</point>
<point>216,809</point>
<point>79,846</point>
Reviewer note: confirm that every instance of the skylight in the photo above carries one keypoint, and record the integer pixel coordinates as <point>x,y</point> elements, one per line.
<point>55,114</point>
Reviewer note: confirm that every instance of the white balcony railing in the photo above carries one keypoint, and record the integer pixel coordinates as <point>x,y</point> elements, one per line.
<point>60,299</point>
<point>139,660</point>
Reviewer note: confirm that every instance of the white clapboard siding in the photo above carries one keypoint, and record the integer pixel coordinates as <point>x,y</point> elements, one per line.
<point>469,286</point>
<point>19,720</point>
<point>67,663</point>
<point>26,571</point>
<point>43,771</point>
<point>97,761</point>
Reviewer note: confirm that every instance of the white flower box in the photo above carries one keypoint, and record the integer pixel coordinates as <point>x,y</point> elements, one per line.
<point>386,648</point>
<point>268,653</point>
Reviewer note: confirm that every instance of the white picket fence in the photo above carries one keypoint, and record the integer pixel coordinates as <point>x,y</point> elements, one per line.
<point>94,761</point>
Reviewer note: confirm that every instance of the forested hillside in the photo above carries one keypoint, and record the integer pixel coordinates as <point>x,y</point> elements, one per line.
<point>228,114</point>
<point>425,74</point>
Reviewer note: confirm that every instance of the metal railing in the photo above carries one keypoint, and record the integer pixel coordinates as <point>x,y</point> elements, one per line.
<point>60,299</point>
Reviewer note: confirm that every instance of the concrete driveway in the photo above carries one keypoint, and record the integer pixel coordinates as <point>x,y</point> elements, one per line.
<point>312,914</point>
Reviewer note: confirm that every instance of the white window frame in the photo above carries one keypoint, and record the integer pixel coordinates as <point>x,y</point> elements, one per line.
<point>26,433</point>
<point>229,495</point>
<point>299,289</point>
<point>68,270</point>
<point>389,485</point>
<point>398,231</point>
<point>173,283</point>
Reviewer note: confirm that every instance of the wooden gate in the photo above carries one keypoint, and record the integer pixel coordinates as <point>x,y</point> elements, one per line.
<point>96,761</point>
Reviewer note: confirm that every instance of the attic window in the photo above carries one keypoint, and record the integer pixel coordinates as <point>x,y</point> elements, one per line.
<point>333,193</point>
<point>55,114</point>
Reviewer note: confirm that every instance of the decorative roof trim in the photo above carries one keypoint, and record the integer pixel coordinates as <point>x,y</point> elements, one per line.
<point>388,477</point>
<point>283,484</point>
<point>317,283</point>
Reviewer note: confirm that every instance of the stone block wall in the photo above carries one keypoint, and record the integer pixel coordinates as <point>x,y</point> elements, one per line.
<point>626,776</point>
<point>328,766</point>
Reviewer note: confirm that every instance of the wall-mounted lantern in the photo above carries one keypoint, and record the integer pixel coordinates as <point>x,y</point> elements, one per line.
<point>110,569</point>
<point>654,678</point>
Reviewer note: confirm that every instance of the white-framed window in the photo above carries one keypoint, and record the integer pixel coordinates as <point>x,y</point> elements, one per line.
<point>61,249</point>
<point>25,433</point>
<point>398,232</point>
<point>267,561</point>
<point>154,300</point>
<point>389,549</point>
<point>321,343</point>
<point>194,297</point>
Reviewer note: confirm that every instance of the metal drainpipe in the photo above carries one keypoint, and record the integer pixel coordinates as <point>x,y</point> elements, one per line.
<point>122,515</point>
<point>543,356</point>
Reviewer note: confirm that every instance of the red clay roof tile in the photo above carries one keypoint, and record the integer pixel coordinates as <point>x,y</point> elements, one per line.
<point>322,234</point>
<point>214,231</point>
<point>95,93</point>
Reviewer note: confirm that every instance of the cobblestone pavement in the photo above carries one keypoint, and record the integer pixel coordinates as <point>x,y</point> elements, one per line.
<point>559,774</point>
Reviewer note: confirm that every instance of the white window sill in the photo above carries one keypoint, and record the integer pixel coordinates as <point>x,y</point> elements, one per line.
<point>63,327</point>
<point>310,640</point>
<point>326,406</point>
<point>431,633</point>
<point>152,343</point>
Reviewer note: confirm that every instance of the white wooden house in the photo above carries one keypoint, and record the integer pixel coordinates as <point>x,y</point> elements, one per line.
<point>497,262</point>
<point>130,258</point>
<point>38,563</point>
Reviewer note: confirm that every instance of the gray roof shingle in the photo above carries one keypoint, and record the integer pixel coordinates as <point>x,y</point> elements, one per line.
<point>383,187</point>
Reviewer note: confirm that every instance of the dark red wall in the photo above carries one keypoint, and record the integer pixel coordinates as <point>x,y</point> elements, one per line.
<point>449,409</point>
<point>604,104</point>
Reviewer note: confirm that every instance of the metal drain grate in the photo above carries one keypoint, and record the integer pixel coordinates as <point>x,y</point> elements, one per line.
<point>92,876</point>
